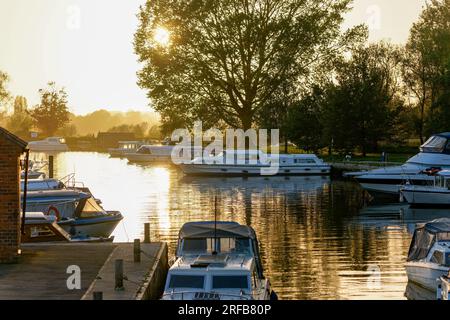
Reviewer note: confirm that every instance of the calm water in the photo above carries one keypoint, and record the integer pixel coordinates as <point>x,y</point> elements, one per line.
<point>317,241</point>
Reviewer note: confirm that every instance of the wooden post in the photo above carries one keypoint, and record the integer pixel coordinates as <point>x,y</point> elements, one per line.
<point>50,167</point>
<point>147,232</point>
<point>98,295</point>
<point>137,250</point>
<point>119,275</point>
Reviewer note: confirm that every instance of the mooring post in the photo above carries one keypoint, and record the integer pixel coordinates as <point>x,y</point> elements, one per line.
<point>98,295</point>
<point>146,232</point>
<point>50,167</point>
<point>119,275</point>
<point>137,250</point>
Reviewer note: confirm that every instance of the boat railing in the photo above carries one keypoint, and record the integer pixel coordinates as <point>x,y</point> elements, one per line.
<point>70,182</point>
<point>202,295</point>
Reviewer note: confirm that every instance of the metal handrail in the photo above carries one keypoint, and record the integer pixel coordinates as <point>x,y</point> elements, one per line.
<point>241,296</point>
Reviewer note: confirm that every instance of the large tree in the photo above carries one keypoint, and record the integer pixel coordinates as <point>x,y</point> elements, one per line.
<point>226,59</point>
<point>52,113</point>
<point>364,100</point>
<point>426,63</point>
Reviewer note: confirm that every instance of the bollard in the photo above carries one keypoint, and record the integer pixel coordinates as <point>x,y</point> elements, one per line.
<point>137,250</point>
<point>119,275</point>
<point>98,295</point>
<point>50,167</point>
<point>147,232</point>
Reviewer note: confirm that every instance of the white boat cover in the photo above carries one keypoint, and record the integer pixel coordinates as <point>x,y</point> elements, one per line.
<point>223,230</point>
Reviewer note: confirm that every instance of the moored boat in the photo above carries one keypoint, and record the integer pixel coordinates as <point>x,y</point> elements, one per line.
<point>217,261</point>
<point>255,163</point>
<point>41,228</point>
<point>76,212</point>
<point>429,253</point>
<point>434,155</point>
<point>124,148</point>
<point>436,194</point>
<point>48,144</point>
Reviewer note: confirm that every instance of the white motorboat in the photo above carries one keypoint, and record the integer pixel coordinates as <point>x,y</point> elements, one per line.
<point>434,195</point>
<point>255,163</point>
<point>434,155</point>
<point>48,144</point>
<point>429,253</point>
<point>42,228</point>
<point>151,153</point>
<point>76,212</point>
<point>217,261</point>
<point>125,147</point>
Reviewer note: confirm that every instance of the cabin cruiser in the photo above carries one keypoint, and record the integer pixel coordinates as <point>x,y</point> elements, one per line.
<point>434,154</point>
<point>217,260</point>
<point>429,253</point>
<point>151,153</point>
<point>76,212</point>
<point>434,195</point>
<point>42,228</point>
<point>124,148</point>
<point>48,144</point>
<point>255,162</point>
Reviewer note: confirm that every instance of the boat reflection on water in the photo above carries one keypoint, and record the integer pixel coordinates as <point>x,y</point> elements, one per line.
<point>314,243</point>
<point>416,292</point>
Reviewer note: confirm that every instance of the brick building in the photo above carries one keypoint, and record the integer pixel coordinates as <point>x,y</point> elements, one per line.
<point>11,147</point>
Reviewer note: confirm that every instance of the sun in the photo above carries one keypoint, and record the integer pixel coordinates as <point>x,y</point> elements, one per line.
<point>161,36</point>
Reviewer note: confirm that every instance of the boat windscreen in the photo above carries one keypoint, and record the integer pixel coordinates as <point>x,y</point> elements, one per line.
<point>186,281</point>
<point>224,245</point>
<point>436,144</point>
<point>421,244</point>
<point>91,208</point>
<point>230,282</point>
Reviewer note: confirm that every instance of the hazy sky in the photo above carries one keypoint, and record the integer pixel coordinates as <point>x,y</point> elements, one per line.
<point>86,46</point>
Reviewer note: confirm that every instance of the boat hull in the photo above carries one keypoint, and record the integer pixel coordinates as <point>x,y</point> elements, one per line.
<point>37,147</point>
<point>249,170</point>
<point>425,274</point>
<point>148,158</point>
<point>424,197</point>
<point>101,227</point>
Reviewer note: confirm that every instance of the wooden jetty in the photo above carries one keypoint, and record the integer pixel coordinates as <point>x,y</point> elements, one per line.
<point>43,272</point>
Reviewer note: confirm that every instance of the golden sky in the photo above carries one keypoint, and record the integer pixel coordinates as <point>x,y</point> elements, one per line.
<point>86,46</point>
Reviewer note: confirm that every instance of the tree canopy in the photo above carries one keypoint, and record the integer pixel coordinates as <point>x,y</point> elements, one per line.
<point>52,112</point>
<point>226,59</point>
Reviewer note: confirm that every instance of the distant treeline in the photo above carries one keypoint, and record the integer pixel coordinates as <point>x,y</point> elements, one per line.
<point>51,117</point>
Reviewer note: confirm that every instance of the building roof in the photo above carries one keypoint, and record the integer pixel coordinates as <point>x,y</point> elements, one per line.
<point>13,138</point>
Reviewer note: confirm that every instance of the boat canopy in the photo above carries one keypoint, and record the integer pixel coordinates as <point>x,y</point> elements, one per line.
<point>223,229</point>
<point>426,235</point>
<point>438,143</point>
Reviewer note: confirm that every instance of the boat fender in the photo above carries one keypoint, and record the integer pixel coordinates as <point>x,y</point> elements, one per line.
<point>55,210</point>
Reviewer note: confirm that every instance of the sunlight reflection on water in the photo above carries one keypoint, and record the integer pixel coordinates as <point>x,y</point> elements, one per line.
<point>315,242</point>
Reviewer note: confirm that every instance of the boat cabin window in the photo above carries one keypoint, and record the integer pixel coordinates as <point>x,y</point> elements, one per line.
<point>304,161</point>
<point>185,281</point>
<point>438,257</point>
<point>435,144</point>
<point>230,282</point>
<point>224,245</point>
<point>91,208</point>
<point>143,150</point>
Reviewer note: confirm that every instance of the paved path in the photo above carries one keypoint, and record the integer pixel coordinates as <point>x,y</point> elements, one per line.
<point>42,274</point>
